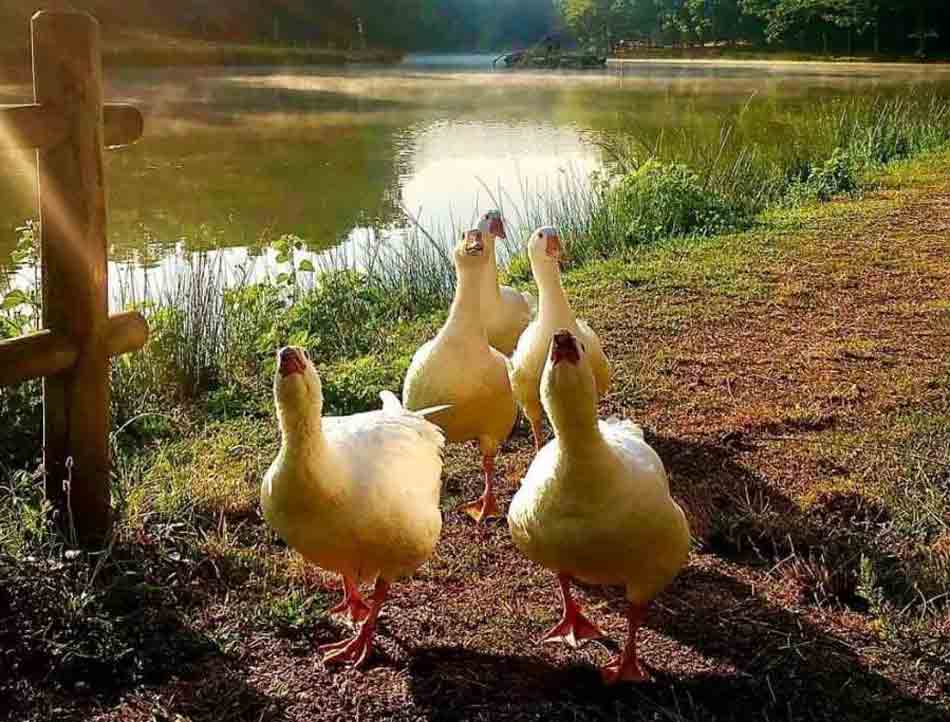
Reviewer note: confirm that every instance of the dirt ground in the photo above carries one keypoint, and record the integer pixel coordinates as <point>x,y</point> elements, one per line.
<point>748,390</point>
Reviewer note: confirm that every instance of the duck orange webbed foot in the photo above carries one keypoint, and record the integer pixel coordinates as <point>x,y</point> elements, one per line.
<point>357,650</point>
<point>574,629</point>
<point>352,603</point>
<point>621,669</point>
<point>356,610</point>
<point>354,651</point>
<point>484,507</point>
<point>626,667</point>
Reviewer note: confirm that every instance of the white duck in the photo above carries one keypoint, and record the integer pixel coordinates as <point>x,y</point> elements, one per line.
<point>459,368</point>
<point>554,312</point>
<point>506,311</point>
<point>358,495</point>
<point>595,506</point>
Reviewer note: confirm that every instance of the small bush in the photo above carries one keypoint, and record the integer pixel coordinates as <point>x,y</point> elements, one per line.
<point>354,385</point>
<point>658,200</point>
<point>836,176</point>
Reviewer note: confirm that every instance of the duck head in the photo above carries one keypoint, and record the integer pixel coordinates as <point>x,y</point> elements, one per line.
<point>545,247</point>
<point>298,392</point>
<point>470,251</point>
<point>568,388</point>
<point>492,226</point>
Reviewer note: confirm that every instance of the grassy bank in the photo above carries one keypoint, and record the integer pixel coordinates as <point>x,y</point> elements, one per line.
<point>778,321</point>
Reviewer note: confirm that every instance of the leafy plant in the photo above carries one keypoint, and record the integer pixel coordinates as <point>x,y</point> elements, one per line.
<point>658,200</point>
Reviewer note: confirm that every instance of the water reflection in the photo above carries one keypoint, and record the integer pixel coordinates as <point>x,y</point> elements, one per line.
<point>232,158</point>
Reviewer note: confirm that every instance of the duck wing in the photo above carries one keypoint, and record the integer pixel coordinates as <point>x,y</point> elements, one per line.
<point>598,359</point>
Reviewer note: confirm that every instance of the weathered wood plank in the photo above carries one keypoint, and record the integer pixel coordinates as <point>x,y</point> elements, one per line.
<point>67,77</point>
<point>46,353</point>
<point>124,124</point>
<point>31,126</point>
<point>42,127</point>
<point>126,332</point>
<point>34,356</point>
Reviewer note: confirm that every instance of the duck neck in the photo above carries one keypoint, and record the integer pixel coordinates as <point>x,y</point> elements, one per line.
<point>301,433</point>
<point>573,415</point>
<point>466,312</point>
<point>491,292</point>
<point>552,301</point>
<point>579,434</point>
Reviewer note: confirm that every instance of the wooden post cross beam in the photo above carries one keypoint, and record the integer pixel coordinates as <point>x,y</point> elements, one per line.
<point>69,126</point>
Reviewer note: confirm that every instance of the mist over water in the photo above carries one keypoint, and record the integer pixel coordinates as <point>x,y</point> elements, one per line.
<point>233,158</point>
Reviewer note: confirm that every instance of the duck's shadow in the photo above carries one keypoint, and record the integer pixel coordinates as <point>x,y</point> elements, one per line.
<point>762,662</point>
<point>747,658</point>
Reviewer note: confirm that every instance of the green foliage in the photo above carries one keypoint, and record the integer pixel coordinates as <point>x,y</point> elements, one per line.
<point>21,406</point>
<point>404,24</point>
<point>24,512</point>
<point>802,24</point>
<point>836,176</point>
<point>682,186</point>
<point>292,613</point>
<point>342,316</point>
<point>352,386</point>
<point>215,343</point>
<point>658,200</point>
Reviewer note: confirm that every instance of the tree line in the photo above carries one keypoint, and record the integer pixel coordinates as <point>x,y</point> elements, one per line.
<point>395,24</point>
<point>841,26</point>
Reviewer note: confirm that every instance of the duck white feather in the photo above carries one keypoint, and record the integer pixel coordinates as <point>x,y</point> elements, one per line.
<point>459,368</point>
<point>554,312</point>
<point>595,504</point>
<point>506,311</point>
<point>357,495</point>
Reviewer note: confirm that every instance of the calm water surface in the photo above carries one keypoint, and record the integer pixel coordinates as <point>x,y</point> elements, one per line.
<point>234,157</point>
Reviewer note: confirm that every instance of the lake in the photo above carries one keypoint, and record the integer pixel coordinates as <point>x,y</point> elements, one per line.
<point>234,157</point>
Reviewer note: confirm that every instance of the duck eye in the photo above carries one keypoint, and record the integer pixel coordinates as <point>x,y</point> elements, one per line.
<point>583,348</point>
<point>540,235</point>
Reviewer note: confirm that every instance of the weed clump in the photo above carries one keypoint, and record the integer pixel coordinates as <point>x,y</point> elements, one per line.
<point>659,200</point>
<point>837,176</point>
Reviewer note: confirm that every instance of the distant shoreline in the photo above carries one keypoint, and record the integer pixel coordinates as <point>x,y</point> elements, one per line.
<point>15,63</point>
<point>750,55</point>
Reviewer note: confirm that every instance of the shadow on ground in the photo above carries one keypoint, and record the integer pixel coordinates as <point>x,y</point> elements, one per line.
<point>786,669</point>
<point>781,665</point>
<point>87,646</point>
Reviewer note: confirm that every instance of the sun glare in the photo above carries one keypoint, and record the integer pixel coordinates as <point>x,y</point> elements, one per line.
<point>25,183</point>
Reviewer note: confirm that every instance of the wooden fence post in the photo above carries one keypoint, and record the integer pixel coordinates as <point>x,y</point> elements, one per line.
<point>67,78</point>
<point>69,126</point>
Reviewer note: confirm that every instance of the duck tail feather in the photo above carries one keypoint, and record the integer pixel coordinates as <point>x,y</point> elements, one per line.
<point>390,401</point>
<point>432,410</point>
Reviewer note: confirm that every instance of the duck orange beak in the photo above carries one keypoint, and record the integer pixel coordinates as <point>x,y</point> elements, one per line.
<point>290,362</point>
<point>474,245</point>
<point>564,348</point>
<point>554,247</point>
